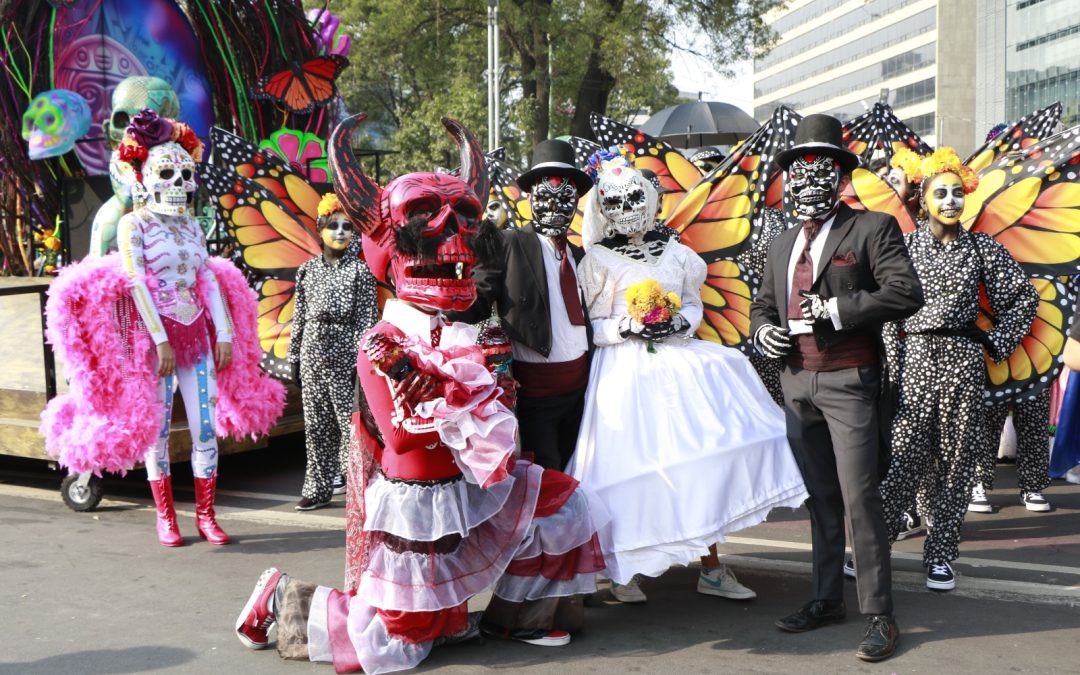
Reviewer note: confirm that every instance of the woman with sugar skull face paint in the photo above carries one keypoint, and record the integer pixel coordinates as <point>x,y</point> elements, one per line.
<point>683,446</point>
<point>335,304</point>
<point>159,313</point>
<point>163,251</point>
<point>940,356</point>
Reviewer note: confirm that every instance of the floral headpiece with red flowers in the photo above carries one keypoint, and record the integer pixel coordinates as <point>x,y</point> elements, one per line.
<point>148,129</point>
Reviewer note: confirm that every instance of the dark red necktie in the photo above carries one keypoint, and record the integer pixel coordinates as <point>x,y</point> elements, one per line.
<point>568,284</point>
<point>436,336</point>
<point>803,278</point>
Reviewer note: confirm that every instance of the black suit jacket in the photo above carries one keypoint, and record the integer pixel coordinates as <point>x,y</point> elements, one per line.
<point>864,265</point>
<point>518,286</point>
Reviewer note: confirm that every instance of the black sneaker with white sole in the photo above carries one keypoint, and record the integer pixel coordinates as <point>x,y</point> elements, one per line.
<point>940,577</point>
<point>306,504</point>
<point>912,526</point>
<point>1034,501</point>
<point>849,568</point>
<point>338,485</point>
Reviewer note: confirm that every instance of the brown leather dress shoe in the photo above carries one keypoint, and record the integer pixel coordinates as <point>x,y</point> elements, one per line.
<point>814,614</point>
<point>880,640</point>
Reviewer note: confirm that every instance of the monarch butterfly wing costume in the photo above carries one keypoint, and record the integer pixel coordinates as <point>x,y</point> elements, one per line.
<point>303,87</point>
<point>274,235</point>
<point>676,173</point>
<point>1037,361</point>
<point>1019,136</point>
<point>869,192</point>
<point>879,129</point>
<point>1029,201</point>
<point>721,217</point>
<point>504,186</point>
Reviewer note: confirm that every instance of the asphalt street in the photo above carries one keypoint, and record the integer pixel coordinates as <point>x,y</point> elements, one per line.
<point>93,593</point>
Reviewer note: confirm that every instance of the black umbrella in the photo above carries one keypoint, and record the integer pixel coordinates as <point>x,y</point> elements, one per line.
<point>699,123</point>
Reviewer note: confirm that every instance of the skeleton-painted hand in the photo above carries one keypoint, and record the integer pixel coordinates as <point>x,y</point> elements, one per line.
<point>814,308</point>
<point>629,327</point>
<point>774,341</point>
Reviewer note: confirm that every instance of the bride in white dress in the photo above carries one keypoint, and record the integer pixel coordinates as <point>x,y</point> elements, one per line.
<point>683,446</point>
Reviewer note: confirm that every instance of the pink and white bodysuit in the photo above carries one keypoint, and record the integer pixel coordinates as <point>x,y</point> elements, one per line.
<point>165,255</point>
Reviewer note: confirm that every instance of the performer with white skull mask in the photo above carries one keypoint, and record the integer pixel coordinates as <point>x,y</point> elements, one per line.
<point>533,286</point>
<point>679,440</point>
<point>163,251</point>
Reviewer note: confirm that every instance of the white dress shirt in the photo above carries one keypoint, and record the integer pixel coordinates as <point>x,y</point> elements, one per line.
<point>798,326</point>
<point>568,342</point>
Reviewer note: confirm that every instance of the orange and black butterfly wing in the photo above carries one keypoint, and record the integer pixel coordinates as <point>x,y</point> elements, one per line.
<point>726,296</point>
<point>1019,136</point>
<point>271,242</point>
<point>303,87</point>
<point>721,216</point>
<point>869,192</point>
<point>880,130</point>
<point>1029,201</point>
<point>584,149</point>
<point>676,173</point>
<point>284,181</point>
<point>1037,361</point>
<point>504,186</point>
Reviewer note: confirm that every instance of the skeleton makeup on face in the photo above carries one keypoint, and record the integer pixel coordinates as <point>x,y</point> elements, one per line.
<point>943,198</point>
<point>813,181</point>
<point>553,200</point>
<point>898,180</point>
<point>336,231</point>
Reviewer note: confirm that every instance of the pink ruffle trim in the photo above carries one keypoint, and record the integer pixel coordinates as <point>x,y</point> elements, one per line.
<point>188,341</point>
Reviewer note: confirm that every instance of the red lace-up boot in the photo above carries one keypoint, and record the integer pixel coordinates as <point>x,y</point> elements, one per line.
<point>204,511</point>
<point>168,532</point>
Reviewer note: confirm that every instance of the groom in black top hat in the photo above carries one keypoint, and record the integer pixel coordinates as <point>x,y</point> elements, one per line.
<point>828,287</point>
<point>536,292</point>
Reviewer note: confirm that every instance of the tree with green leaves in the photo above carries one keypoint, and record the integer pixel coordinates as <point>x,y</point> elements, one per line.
<point>415,60</point>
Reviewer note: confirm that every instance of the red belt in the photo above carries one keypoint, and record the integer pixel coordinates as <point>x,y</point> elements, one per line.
<point>551,379</point>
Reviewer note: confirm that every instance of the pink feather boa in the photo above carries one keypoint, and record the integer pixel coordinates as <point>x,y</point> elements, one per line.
<point>111,416</point>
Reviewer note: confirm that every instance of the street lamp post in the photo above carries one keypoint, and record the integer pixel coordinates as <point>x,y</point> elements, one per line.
<point>493,74</point>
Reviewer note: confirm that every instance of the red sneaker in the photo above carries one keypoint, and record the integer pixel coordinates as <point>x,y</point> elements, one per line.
<point>255,621</point>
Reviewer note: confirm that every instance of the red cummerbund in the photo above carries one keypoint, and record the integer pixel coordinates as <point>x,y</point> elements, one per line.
<point>551,379</point>
<point>854,352</point>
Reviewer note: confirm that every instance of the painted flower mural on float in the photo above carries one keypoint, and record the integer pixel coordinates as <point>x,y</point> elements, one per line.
<point>304,152</point>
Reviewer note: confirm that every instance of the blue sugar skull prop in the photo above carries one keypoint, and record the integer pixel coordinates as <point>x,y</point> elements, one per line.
<point>54,121</point>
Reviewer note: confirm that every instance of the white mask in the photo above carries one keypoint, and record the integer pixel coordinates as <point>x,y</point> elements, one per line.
<point>168,182</point>
<point>627,201</point>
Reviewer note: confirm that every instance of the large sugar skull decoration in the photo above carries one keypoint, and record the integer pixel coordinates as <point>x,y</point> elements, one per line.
<point>626,200</point>
<point>813,181</point>
<point>53,122</point>
<point>132,96</point>
<point>161,154</point>
<point>418,231</point>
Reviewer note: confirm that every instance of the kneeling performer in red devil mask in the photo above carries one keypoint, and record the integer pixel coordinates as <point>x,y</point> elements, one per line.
<point>448,508</point>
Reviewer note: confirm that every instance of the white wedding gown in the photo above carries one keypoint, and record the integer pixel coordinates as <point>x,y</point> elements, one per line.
<point>683,446</point>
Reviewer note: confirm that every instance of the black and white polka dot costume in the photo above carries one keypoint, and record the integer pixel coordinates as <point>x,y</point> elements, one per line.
<point>335,305</point>
<point>1031,419</point>
<point>942,377</point>
<point>772,226</point>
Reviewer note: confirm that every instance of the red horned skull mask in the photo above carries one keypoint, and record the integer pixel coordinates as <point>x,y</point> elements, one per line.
<point>417,231</point>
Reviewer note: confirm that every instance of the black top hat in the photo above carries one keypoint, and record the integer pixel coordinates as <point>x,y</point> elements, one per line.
<point>819,135</point>
<point>554,158</point>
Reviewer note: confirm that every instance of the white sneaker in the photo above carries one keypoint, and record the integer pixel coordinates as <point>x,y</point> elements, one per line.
<point>721,582</point>
<point>1034,501</point>
<point>979,503</point>
<point>629,593</point>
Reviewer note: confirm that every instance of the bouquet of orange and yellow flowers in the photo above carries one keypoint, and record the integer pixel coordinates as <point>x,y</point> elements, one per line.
<point>649,304</point>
